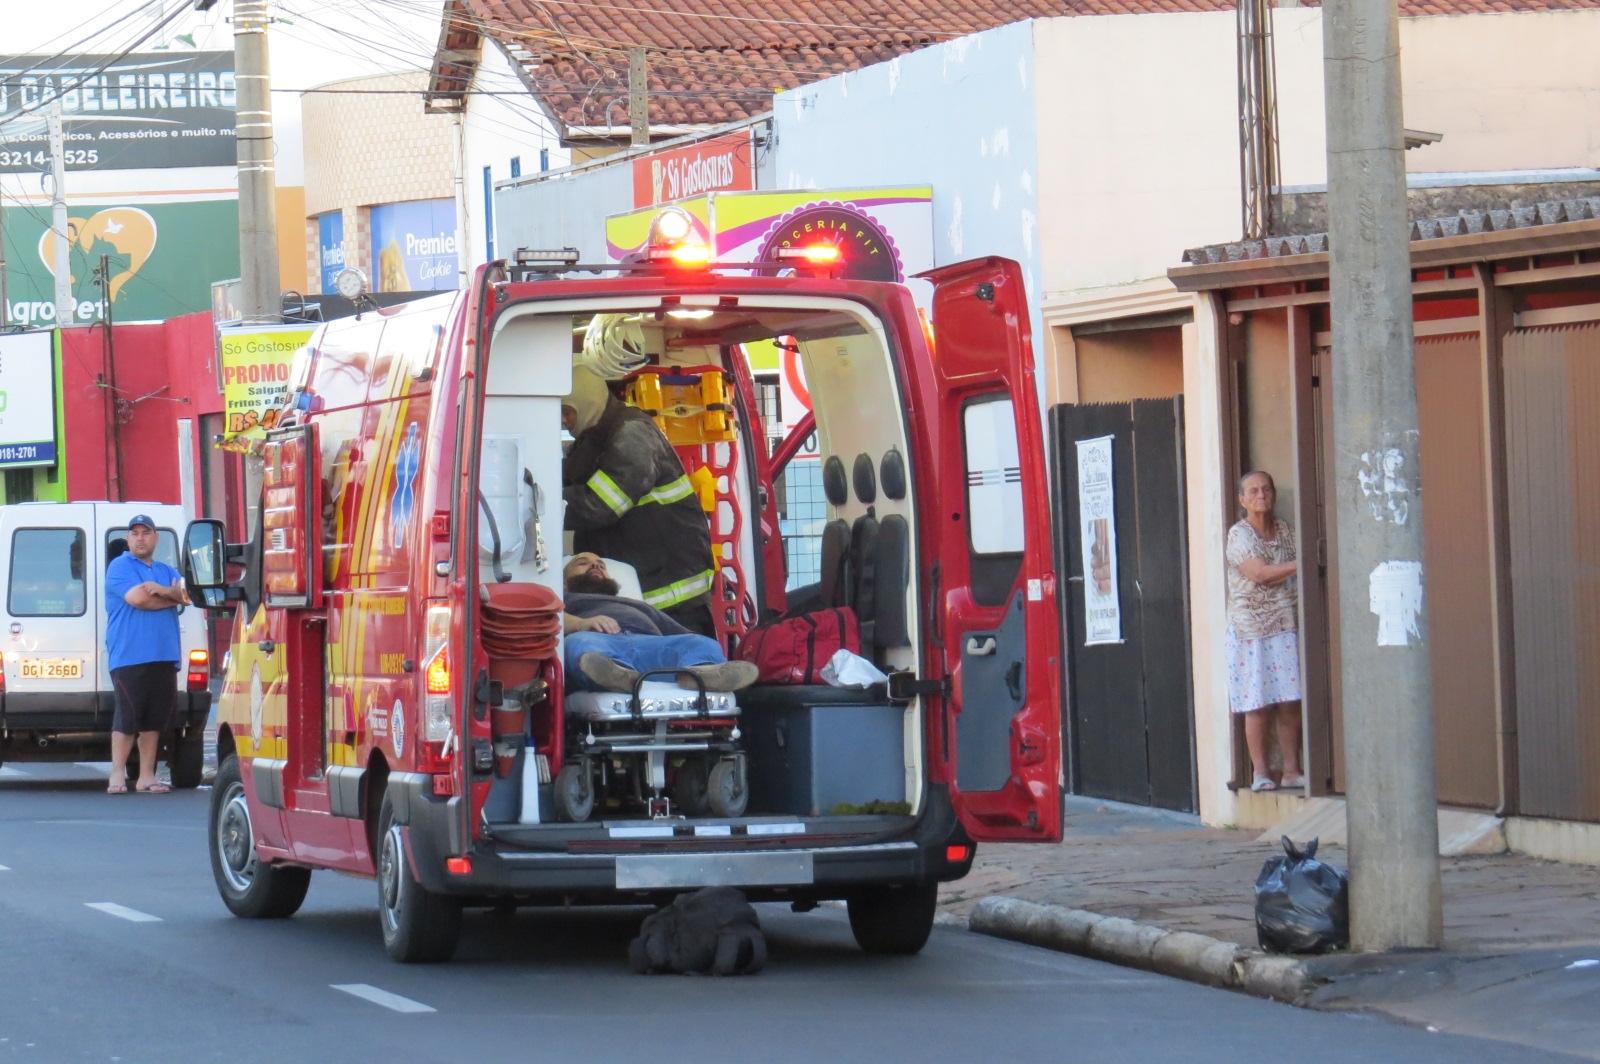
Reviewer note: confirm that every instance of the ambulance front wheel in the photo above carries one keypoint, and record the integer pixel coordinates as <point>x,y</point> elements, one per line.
<point>419,926</point>
<point>893,920</point>
<point>249,888</point>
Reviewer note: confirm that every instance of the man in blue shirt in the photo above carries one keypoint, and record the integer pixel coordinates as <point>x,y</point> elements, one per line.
<point>144,652</point>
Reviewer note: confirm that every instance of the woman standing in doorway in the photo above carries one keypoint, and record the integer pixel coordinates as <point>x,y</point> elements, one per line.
<point>1263,645</point>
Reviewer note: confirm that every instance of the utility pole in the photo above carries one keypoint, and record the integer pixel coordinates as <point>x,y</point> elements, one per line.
<point>639,96</point>
<point>65,305</point>
<point>258,222</point>
<point>1391,801</point>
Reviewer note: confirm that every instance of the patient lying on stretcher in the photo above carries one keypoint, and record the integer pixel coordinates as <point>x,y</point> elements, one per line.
<point>611,640</point>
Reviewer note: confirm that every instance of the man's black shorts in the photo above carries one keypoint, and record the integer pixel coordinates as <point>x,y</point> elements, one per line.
<point>146,694</point>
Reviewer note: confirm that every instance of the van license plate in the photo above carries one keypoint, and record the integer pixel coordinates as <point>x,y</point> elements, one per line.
<point>52,668</point>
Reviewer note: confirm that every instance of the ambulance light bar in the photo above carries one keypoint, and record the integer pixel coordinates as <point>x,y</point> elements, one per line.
<point>819,254</point>
<point>546,256</point>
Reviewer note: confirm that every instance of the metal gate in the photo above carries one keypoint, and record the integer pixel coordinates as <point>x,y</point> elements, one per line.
<point>1129,718</point>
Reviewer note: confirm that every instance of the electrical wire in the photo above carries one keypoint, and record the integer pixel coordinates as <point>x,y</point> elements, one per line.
<point>61,89</point>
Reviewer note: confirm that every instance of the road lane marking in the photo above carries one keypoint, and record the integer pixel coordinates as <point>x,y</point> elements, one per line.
<point>383,997</point>
<point>123,911</point>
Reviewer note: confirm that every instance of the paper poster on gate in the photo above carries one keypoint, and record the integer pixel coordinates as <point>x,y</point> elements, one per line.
<point>1097,534</point>
<point>254,360</point>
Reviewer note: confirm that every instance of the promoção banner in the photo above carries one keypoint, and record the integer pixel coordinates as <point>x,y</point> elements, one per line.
<point>27,399</point>
<point>128,112</point>
<point>255,375</point>
<point>162,258</point>
<point>414,246</point>
<point>330,247</point>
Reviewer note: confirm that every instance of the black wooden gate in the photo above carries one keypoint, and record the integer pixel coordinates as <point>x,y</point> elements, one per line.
<point>1129,718</point>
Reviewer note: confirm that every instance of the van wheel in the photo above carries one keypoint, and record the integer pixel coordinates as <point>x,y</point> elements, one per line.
<point>249,888</point>
<point>573,793</point>
<point>689,789</point>
<point>893,921</point>
<point>186,760</point>
<point>419,926</point>
<point>726,793</point>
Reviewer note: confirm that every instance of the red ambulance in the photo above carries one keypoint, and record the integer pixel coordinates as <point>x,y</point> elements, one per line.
<point>378,719</point>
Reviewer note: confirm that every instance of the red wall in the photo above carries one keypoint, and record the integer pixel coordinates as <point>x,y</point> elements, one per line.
<point>164,371</point>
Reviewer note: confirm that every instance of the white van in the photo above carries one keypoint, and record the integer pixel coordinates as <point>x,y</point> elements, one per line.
<point>56,702</point>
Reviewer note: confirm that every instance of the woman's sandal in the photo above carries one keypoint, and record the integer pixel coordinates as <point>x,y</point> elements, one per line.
<point>1263,783</point>
<point>1291,783</point>
<point>154,788</point>
<point>116,788</point>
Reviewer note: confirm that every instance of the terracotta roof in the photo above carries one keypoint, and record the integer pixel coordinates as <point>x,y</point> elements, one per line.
<point>718,61</point>
<point>1466,222</point>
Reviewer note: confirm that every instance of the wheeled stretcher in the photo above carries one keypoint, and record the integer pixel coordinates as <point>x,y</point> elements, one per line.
<point>659,749</point>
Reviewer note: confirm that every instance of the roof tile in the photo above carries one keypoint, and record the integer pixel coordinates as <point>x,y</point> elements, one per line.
<point>728,56</point>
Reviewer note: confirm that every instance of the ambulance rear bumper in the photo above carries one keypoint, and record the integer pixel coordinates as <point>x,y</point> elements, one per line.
<point>787,871</point>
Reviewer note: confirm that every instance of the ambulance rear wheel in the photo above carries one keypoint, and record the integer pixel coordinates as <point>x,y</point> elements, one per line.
<point>419,926</point>
<point>249,888</point>
<point>726,793</point>
<point>573,793</point>
<point>893,920</point>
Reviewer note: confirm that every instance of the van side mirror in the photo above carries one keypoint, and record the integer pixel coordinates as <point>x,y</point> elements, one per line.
<point>205,565</point>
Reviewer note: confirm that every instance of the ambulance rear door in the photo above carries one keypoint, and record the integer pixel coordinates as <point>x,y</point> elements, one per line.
<point>993,620</point>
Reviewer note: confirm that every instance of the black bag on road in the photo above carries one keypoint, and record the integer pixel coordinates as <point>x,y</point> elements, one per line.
<point>1302,905</point>
<point>712,931</point>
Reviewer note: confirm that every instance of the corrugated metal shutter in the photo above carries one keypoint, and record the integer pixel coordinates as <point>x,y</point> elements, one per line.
<point>1552,390</point>
<point>1460,618</point>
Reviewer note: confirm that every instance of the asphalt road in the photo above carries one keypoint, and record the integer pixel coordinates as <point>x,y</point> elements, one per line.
<point>115,947</point>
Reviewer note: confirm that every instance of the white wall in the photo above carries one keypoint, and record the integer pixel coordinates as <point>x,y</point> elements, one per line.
<point>498,129</point>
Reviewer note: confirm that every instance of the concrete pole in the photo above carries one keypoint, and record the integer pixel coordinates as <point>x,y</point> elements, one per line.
<point>639,96</point>
<point>258,219</point>
<point>66,306</point>
<point>1384,652</point>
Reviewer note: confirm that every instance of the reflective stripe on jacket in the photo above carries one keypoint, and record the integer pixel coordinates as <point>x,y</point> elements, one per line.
<point>628,498</point>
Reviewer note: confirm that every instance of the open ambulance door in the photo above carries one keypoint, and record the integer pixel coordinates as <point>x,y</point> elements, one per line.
<point>994,625</point>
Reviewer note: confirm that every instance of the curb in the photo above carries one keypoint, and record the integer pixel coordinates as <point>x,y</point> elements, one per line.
<point>1182,954</point>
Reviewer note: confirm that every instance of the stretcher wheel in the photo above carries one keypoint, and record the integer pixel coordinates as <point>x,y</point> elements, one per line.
<point>689,789</point>
<point>574,797</point>
<point>726,794</point>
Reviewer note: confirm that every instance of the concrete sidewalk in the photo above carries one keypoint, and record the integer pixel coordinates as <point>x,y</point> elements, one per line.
<point>1513,925</point>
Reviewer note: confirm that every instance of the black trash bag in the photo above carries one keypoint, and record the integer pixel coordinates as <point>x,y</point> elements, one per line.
<point>712,931</point>
<point>1302,905</point>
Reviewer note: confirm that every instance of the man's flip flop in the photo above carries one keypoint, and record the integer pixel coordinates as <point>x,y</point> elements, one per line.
<point>154,788</point>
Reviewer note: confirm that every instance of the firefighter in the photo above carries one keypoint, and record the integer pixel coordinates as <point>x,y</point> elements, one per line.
<point>629,498</point>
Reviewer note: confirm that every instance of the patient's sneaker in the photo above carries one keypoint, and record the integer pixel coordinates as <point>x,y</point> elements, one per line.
<point>723,676</point>
<point>607,674</point>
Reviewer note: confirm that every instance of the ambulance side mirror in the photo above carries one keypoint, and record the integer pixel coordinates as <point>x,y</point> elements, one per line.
<point>205,551</point>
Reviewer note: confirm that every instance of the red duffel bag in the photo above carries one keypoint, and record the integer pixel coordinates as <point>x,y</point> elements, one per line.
<point>793,650</point>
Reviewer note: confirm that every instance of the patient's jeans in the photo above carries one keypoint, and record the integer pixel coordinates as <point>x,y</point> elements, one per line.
<point>640,653</point>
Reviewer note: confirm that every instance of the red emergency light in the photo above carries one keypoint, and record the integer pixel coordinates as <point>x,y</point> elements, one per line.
<point>673,242</point>
<point>816,254</point>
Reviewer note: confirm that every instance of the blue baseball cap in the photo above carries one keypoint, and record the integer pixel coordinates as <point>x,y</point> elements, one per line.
<point>141,519</point>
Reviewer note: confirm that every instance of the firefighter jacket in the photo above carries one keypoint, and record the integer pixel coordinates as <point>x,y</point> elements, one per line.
<point>628,498</point>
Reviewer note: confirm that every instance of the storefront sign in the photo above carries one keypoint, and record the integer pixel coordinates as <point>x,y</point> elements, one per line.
<point>414,247</point>
<point>883,234</point>
<point>162,258</point>
<point>1097,533</point>
<point>127,112</point>
<point>722,164</point>
<point>255,375</point>
<point>27,399</point>
<point>330,247</point>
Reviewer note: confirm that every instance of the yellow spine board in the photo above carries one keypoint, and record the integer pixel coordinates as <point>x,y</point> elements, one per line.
<point>690,414</point>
